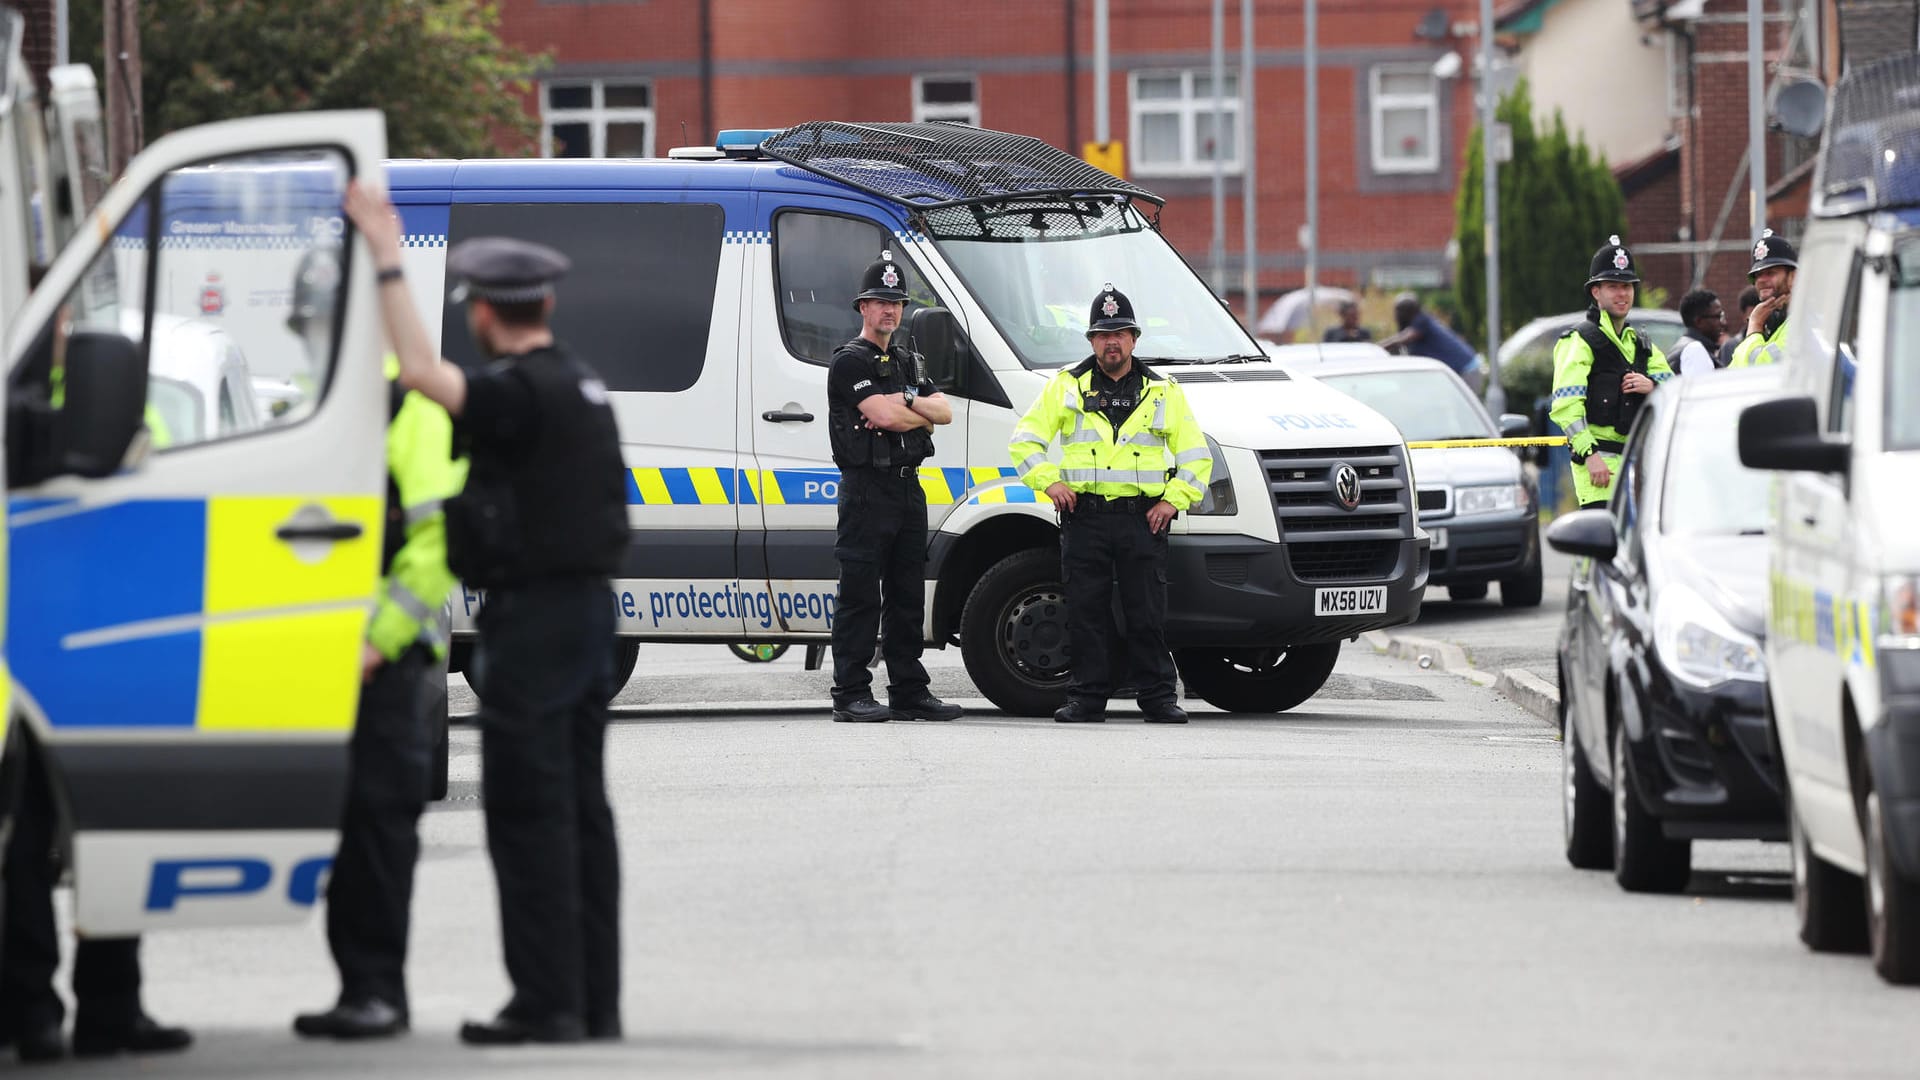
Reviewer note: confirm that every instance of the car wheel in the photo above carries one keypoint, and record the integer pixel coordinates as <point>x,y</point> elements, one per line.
<point>1257,680</point>
<point>1827,901</point>
<point>1893,906</point>
<point>1644,858</point>
<point>1467,590</point>
<point>1013,633</point>
<point>758,652</point>
<point>1584,818</point>
<point>626,656</point>
<point>1526,589</point>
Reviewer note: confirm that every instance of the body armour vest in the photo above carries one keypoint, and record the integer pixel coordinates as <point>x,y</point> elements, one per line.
<point>854,444</point>
<point>554,506</point>
<point>1607,404</point>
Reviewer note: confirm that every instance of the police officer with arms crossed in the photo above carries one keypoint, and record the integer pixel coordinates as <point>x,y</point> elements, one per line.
<point>1132,456</point>
<point>370,889</point>
<point>542,526</point>
<point>881,411</point>
<point>1775,264</point>
<point>1602,370</point>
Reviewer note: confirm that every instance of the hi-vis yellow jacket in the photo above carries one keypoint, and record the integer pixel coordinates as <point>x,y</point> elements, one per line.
<point>421,474</point>
<point>1159,450</point>
<point>1758,350</point>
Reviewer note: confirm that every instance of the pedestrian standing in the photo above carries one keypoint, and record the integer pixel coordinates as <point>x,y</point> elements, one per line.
<point>1749,299</point>
<point>541,526</point>
<point>1764,338</point>
<point>1132,457</point>
<point>390,758</point>
<point>1602,370</point>
<point>1706,323</point>
<point>881,412</point>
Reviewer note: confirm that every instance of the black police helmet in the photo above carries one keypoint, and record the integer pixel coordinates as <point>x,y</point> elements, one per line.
<point>1111,311</point>
<point>316,288</point>
<point>882,281</point>
<point>503,270</point>
<point>1612,263</point>
<point>1772,250</point>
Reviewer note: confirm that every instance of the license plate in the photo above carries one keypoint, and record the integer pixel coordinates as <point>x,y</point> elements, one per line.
<point>1361,600</point>
<point>1439,539</point>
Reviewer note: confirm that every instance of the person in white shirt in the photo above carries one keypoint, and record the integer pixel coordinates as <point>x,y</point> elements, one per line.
<point>1706,324</point>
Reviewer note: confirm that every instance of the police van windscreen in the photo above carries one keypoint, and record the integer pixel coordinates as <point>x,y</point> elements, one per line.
<point>1903,347</point>
<point>1036,267</point>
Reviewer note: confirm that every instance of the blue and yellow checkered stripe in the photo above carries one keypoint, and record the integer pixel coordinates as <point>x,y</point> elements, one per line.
<point>189,613</point>
<point>808,487</point>
<point>1833,624</point>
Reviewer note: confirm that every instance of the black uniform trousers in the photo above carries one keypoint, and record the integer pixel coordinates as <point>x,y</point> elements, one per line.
<point>546,670</point>
<point>106,971</point>
<point>370,891</point>
<point>1103,545</point>
<point>882,548</point>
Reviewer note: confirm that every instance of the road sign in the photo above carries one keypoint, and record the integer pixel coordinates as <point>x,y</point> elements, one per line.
<point>1111,156</point>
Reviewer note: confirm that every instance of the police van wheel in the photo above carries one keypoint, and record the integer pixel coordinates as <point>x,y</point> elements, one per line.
<point>1257,680</point>
<point>1525,589</point>
<point>1467,590</point>
<point>626,656</point>
<point>1013,634</point>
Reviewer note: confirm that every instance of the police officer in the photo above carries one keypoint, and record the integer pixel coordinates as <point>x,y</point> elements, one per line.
<point>1132,456</point>
<point>1775,264</point>
<point>370,888</point>
<point>1602,370</point>
<point>881,411</point>
<point>541,526</point>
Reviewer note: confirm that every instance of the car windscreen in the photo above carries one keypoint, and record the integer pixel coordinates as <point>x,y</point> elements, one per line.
<point>1422,404</point>
<point>1036,268</point>
<point>1708,491</point>
<point>1903,347</point>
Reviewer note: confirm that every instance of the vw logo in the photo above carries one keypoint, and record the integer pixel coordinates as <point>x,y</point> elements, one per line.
<point>1346,485</point>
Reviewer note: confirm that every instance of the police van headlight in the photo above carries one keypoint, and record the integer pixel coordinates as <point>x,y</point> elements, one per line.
<point>1219,501</point>
<point>1489,498</point>
<point>1698,646</point>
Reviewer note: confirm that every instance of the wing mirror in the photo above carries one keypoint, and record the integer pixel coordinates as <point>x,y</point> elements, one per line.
<point>1784,434</point>
<point>104,406</point>
<point>1587,533</point>
<point>1514,425</point>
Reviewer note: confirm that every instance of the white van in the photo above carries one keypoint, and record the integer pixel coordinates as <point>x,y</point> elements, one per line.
<point>710,291</point>
<point>1843,635</point>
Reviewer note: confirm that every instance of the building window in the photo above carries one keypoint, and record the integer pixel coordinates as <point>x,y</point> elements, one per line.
<point>1172,123</point>
<point>596,118</point>
<point>1405,111</point>
<point>946,97</point>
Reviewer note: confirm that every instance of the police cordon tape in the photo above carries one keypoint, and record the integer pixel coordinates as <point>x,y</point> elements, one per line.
<point>1454,444</point>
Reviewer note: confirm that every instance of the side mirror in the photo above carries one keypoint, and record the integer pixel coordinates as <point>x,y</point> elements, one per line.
<point>105,401</point>
<point>1584,532</point>
<point>1513,425</point>
<point>936,336</point>
<point>1784,434</point>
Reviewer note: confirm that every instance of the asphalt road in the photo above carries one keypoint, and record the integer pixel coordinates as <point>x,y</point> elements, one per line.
<point>1369,886</point>
<point>1496,637</point>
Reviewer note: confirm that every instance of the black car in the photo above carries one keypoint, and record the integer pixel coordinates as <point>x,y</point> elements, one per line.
<point>1662,674</point>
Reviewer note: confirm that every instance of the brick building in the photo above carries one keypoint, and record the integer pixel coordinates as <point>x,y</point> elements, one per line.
<point>643,75</point>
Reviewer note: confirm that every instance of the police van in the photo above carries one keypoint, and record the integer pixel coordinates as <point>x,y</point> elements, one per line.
<point>1843,634</point>
<point>184,614</point>
<point>711,288</point>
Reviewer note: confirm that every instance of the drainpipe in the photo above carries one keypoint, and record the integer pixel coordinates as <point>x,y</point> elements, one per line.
<point>706,71</point>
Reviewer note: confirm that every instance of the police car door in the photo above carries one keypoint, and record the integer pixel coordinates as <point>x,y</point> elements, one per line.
<point>803,310</point>
<point>187,627</point>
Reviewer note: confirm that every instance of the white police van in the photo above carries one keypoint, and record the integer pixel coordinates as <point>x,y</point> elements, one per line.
<point>1843,634</point>
<point>184,617</point>
<point>711,289</point>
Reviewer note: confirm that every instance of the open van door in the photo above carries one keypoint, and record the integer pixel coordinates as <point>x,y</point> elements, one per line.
<point>188,598</point>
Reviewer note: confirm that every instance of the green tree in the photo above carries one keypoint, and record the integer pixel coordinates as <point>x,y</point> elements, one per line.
<point>1558,202</point>
<point>437,68</point>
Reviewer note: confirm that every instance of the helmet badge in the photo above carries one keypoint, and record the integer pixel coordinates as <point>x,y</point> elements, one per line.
<point>890,277</point>
<point>1620,258</point>
<point>1111,307</point>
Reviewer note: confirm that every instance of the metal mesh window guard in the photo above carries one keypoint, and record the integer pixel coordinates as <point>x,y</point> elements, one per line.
<point>1871,156</point>
<point>1022,221</point>
<point>930,166</point>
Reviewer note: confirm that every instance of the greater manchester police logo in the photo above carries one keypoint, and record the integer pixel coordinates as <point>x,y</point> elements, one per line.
<point>890,277</point>
<point>1111,307</point>
<point>1620,258</point>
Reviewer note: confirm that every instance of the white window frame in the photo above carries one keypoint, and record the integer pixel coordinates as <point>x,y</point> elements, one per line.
<point>597,115</point>
<point>925,111</point>
<point>1379,101</point>
<point>1189,110</point>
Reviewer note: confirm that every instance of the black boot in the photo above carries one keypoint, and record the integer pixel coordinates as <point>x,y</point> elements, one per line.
<point>369,1019</point>
<point>926,707</point>
<point>863,711</point>
<point>1079,712</point>
<point>145,1036</point>
<point>1165,712</point>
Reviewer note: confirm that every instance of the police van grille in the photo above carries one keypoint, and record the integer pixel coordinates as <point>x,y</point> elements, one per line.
<point>925,166</point>
<point>1325,540</point>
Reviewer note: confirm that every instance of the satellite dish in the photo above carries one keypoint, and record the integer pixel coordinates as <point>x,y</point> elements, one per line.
<point>1433,26</point>
<point>1798,107</point>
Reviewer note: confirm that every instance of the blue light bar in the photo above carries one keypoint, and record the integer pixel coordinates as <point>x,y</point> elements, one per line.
<point>741,142</point>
